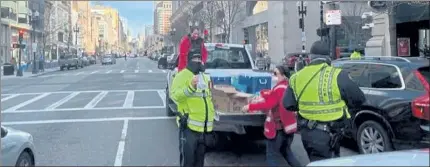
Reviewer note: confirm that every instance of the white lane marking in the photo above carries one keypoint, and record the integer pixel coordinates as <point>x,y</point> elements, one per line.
<point>136,71</point>
<point>120,151</point>
<point>164,71</point>
<point>108,71</point>
<point>94,72</point>
<point>87,91</point>
<point>62,101</point>
<point>85,109</point>
<point>122,71</point>
<point>96,100</point>
<point>150,71</point>
<point>14,108</point>
<point>162,95</point>
<point>79,73</point>
<point>129,99</point>
<point>84,120</point>
<point>9,97</point>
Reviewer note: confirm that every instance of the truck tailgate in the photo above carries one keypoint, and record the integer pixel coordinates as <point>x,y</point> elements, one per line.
<point>240,118</point>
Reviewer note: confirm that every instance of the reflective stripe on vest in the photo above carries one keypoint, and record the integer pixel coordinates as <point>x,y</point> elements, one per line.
<point>189,93</point>
<point>198,123</point>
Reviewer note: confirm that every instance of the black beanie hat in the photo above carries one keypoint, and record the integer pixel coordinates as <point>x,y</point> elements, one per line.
<point>320,48</point>
<point>284,70</point>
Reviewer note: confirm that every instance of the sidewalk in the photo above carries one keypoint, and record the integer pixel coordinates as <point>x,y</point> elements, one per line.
<point>27,74</point>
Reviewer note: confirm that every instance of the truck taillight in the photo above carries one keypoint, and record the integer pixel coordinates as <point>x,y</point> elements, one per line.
<point>421,105</point>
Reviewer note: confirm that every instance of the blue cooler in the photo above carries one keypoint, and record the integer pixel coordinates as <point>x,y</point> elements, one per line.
<point>220,78</point>
<point>256,81</point>
<point>239,87</point>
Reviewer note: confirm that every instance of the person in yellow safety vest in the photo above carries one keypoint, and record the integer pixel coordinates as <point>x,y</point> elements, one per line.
<point>323,96</point>
<point>356,55</point>
<point>190,90</point>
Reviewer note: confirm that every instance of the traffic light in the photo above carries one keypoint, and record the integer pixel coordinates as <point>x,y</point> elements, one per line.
<point>21,35</point>
<point>245,36</point>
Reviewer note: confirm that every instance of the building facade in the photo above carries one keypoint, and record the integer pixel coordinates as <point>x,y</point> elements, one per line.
<point>162,14</point>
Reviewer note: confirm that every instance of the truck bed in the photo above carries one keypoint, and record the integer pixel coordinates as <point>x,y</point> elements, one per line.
<point>235,118</point>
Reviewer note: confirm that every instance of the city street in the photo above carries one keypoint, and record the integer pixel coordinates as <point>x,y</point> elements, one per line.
<point>106,115</point>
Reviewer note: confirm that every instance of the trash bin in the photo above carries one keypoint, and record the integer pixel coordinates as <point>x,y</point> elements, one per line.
<point>8,69</point>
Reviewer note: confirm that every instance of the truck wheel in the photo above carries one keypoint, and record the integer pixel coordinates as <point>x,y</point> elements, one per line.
<point>68,67</point>
<point>169,111</point>
<point>61,68</point>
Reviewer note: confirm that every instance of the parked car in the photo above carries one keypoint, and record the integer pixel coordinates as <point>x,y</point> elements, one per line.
<point>162,62</point>
<point>17,148</point>
<point>68,61</point>
<point>108,59</point>
<point>396,113</point>
<point>394,158</point>
<point>290,59</point>
<point>92,59</point>
<point>85,61</point>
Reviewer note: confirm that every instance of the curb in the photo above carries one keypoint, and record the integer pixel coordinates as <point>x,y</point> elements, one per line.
<point>43,73</point>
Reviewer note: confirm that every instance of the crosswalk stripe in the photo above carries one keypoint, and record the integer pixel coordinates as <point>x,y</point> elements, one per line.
<point>108,71</point>
<point>94,72</point>
<point>164,71</point>
<point>150,71</point>
<point>129,99</point>
<point>79,73</point>
<point>62,101</point>
<point>26,102</point>
<point>122,71</point>
<point>96,100</point>
<point>136,71</point>
<point>9,97</point>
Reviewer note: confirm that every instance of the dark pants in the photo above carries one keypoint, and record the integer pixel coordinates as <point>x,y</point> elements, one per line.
<point>192,148</point>
<point>280,147</point>
<point>317,144</point>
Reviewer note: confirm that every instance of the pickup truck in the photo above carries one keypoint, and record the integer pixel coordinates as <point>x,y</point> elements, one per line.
<point>232,59</point>
<point>69,61</point>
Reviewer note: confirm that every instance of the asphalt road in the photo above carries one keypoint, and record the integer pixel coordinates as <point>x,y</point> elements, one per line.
<point>106,115</point>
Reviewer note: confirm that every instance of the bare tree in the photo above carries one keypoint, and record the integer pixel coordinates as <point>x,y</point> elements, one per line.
<point>352,22</point>
<point>228,14</point>
<point>51,27</point>
<point>208,15</point>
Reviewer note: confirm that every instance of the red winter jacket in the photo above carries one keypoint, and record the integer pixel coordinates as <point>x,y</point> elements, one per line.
<point>272,101</point>
<point>184,48</point>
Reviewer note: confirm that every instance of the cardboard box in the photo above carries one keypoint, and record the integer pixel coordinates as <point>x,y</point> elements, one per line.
<point>222,97</point>
<point>239,100</point>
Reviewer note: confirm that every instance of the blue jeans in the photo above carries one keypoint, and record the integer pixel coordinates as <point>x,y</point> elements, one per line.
<point>278,148</point>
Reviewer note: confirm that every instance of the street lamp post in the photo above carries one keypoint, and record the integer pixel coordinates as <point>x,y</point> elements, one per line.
<point>76,30</point>
<point>33,21</point>
<point>302,10</point>
<point>172,34</point>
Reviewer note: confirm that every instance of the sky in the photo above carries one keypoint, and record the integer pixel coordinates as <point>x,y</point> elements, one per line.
<point>138,13</point>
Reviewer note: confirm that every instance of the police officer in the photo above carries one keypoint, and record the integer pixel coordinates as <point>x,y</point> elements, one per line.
<point>356,55</point>
<point>190,91</point>
<point>323,96</point>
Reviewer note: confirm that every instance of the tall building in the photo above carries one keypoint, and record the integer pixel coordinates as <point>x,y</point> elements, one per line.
<point>110,29</point>
<point>124,24</point>
<point>149,30</point>
<point>162,14</point>
<point>82,20</point>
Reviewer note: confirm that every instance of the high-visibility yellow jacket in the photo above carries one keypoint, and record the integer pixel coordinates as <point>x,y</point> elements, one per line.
<point>195,102</point>
<point>321,99</point>
<point>355,55</point>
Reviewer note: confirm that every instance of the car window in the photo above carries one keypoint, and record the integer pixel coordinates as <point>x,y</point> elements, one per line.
<point>227,58</point>
<point>384,76</point>
<point>358,73</point>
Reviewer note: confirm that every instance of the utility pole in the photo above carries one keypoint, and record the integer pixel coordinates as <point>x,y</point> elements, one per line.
<point>76,30</point>
<point>333,42</point>
<point>302,10</point>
